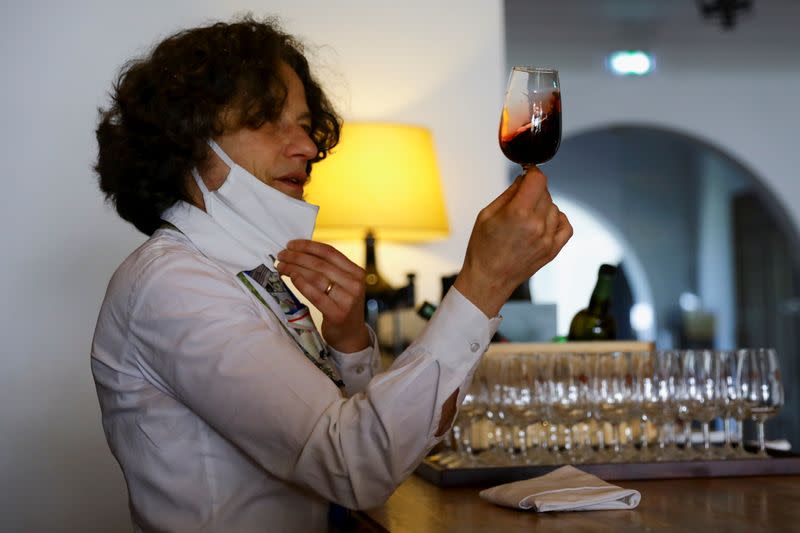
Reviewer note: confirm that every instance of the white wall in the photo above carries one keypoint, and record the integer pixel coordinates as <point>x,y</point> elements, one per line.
<point>438,64</point>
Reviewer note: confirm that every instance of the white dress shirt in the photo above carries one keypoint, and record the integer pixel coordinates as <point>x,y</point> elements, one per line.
<point>219,421</point>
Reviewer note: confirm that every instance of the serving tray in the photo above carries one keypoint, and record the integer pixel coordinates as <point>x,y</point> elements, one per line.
<point>779,463</point>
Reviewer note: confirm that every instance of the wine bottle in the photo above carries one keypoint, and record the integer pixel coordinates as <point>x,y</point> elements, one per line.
<point>596,322</point>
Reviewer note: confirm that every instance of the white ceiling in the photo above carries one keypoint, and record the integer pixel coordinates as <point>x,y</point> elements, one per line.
<point>767,37</point>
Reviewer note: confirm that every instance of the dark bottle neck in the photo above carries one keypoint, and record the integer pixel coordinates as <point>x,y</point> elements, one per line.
<point>369,260</point>
<point>375,282</point>
<point>601,296</point>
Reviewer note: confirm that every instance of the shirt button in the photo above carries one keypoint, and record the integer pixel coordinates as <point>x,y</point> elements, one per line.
<point>360,369</point>
<point>474,347</point>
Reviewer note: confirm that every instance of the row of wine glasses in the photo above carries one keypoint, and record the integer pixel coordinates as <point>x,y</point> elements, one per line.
<point>537,408</point>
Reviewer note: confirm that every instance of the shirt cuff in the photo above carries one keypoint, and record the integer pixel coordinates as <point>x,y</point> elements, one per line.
<point>458,334</point>
<point>357,368</point>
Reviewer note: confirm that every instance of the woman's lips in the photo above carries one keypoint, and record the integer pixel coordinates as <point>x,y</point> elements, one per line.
<point>291,186</point>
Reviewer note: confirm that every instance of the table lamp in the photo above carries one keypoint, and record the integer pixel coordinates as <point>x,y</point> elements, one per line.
<point>380,182</point>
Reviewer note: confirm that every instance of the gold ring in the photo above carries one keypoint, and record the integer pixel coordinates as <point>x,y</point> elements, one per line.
<point>330,287</point>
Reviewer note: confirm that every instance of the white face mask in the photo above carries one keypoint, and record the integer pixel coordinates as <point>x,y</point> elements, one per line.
<point>262,219</point>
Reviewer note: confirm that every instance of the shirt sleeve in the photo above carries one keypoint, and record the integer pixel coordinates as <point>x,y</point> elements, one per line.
<point>201,337</point>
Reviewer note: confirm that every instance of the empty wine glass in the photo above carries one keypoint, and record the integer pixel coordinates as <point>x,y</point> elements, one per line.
<point>762,391</point>
<point>647,400</point>
<point>705,391</point>
<point>732,404</point>
<point>611,393</point>
<point>570,399</point>
<point>540,373</point>
<point>518,402</point>
<point>498,413</point>
<point>662,402</point>
<point>685,383</point>
<point>530,123</point>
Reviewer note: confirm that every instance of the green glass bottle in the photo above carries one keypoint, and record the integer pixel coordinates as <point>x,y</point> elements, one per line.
<point>595,323</point>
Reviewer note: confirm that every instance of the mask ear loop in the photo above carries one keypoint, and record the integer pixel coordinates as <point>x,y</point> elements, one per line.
<point>221,153</point>
<point>200,183</point>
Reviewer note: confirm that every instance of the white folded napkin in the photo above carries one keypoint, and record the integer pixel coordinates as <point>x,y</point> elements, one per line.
<point>563,489</point>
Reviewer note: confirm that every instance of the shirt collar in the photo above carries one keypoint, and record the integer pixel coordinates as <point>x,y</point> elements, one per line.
<point>211,239</point>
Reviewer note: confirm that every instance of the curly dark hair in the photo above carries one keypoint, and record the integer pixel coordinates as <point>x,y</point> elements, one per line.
<point>168,104</point>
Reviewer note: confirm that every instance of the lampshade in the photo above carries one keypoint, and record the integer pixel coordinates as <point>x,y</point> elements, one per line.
<point>381,178</point>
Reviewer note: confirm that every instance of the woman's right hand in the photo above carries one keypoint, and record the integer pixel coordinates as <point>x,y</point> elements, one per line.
<point>514,236</point>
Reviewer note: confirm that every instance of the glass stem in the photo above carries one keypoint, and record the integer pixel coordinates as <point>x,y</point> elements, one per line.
<point>601,437</point>
<point>643,440</point>
<point>509,434</point>
<point>740,434</point>
<point>568,447</point>
<point>499,437</point>
<point>457,439</point>
<point>662,436</point>
<point>727,425</point>
<point>467,439</point>
<point>615,435</point>
<point>762,445</point>
<point>553,435</point>
<point>522,434</point>
<point>687,436</point>
<point>706,436</point>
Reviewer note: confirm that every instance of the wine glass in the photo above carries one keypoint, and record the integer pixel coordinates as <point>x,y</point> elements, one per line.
<point>762,392</point>
<point>733,406</point>
<point>706,392</point>
<point>657,392</point>
<point>530,123</point>
<point>518,396</point>
<point>570,399</point>
<point>611,392</point>
<point>498,411</point>
<point>540,374</point>
<point>647,401</point>
<point>685,387</point>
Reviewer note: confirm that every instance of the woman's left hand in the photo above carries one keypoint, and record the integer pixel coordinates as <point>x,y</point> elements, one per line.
<point>335,285</point>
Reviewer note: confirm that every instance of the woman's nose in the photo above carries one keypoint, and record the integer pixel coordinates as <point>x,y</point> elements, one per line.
<point>302,145</point>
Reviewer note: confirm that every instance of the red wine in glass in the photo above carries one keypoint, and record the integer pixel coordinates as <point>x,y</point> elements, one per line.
<point>530,124</point>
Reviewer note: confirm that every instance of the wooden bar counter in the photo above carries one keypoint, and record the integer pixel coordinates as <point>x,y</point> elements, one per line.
<point>770,503</point>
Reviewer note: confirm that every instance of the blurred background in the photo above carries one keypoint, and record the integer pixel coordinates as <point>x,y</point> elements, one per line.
<point>685,176</point>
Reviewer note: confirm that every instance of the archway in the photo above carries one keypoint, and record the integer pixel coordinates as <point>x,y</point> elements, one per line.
<point>701,224</point>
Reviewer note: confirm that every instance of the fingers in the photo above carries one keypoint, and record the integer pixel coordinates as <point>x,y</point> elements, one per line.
<point>563,234</point>
<point>333,283</point>
<point>504,197</point>
<point>320,274</point>
<point>532,200</point>
<point>531,190</point>
<point>324,252</point>
<point>321,263</point>
<point>320,280</point>
<point>323,302</point>
<point>552,217</point>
